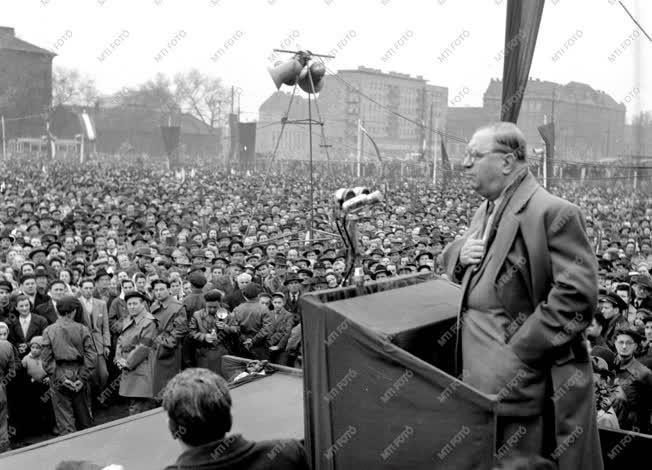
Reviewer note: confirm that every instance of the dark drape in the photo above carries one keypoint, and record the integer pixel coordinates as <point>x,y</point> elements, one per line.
<point>445,164</point>
<point>171,137</point>
<point>521,30</point>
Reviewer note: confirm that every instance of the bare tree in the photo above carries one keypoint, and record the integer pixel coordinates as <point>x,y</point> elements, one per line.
<point>203,96</point>
<point>71,88</point>
<point>154,95</point>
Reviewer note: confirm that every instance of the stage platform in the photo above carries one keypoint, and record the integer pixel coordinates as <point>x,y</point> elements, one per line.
<point>267,408</point>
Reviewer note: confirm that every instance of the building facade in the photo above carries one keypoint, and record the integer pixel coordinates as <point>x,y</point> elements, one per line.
<point>294,142</point>
<point>25,85</point>
<point>462,123</point>
<point>133,130</point>
<point>589,124</point>
<point>341,104</point>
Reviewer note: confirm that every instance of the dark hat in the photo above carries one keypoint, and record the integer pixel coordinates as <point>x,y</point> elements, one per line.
<point>642,280</point>
<point>136,293</point>
<point>36,250</point>
<point>79,249</point>
<point>279,295</point>
<point>196,267</point>
<point>145,252</point>
<point>41,272</point>
<point>7,234</point>
<point>614,300</point>
<point>601,367</point>
<point>636,333</point>
<point>214,295</point>
<point>305,271</point>
<point>291,278</point>
<point>67,304</point>
<point>6,285</point>
<point>101,273</point>
<point>251,290</point>
<point>197,279</point>
<point>646,313</point>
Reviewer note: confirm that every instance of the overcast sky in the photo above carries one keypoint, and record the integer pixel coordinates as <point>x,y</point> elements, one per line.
<point>233,39</point>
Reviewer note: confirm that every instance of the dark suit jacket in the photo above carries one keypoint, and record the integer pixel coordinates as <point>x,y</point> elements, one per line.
<point>234,299</point>
<point>235,452</point>
<point>36,326</point>
<point>47,311</point>
<point>546,280</point>
<point>290,306</point>
<point>40,299</point>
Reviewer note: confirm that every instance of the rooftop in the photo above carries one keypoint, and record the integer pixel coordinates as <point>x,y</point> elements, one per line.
<point>372,71</point>
<point>572,91</point>
<point>9,41</point>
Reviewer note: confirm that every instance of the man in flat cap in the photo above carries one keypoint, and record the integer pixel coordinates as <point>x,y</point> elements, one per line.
<point>214,331</point>
<point>633,410</point>
<point>614,310</point>
<point>281,327</point>
<point>135,354</point>
<point>69,358</point>
<point>172,323</point>
<point>6,311</point>
<point>642,287</point>
<point>255,324</point>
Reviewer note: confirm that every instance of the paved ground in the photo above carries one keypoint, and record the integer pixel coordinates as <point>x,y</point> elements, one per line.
<point>117,410</point>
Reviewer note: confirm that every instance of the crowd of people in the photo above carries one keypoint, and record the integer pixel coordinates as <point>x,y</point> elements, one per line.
<point>115,276</point>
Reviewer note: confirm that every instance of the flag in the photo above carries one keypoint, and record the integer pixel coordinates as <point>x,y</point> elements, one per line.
<point>88,126</point>
<point>445,163</point>
<point>51,140</point>
<point>364,131</point>
<point>547,132</point>
<point>521,30</point>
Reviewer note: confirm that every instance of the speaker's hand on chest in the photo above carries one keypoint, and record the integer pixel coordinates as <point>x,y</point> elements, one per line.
<point>472,251</point>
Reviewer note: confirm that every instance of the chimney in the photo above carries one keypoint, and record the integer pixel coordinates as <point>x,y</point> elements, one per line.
<point>7,31</point>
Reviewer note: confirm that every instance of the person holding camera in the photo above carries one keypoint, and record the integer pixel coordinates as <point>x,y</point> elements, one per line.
<point>214,332</point>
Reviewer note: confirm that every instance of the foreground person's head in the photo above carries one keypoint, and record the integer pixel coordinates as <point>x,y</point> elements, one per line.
<point>198,404</point>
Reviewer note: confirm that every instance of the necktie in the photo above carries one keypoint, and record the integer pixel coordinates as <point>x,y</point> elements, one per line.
<point>487,214</point>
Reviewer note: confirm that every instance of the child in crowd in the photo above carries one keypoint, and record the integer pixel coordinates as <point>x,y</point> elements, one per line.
<point>32,362</point>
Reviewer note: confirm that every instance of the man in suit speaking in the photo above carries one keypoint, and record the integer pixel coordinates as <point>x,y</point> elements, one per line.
<point>529,290</point>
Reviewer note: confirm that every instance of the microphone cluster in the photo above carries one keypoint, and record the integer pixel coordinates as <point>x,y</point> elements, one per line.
<point>351,200</point>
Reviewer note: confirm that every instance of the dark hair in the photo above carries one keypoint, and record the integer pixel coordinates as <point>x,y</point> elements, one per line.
<point>20,297</point>
<point>26,277</point>
<point>55,282</point>
<point>161,281</point>
<point>86,279</point>
<point>198,404</point>
<point>126,280</point>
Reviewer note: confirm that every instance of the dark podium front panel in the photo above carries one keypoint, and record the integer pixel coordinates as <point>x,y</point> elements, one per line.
<point>373,398</point>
